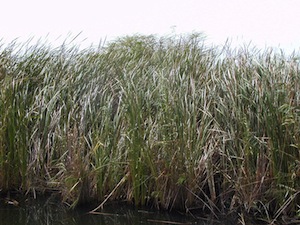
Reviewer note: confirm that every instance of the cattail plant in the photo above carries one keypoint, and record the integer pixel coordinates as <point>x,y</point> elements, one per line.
<point>167,122</point>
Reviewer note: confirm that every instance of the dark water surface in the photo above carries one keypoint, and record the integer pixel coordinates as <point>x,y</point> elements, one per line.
<point>48,212</point>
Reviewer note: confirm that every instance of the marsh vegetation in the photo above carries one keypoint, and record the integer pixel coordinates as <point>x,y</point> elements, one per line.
<point>165,122</point>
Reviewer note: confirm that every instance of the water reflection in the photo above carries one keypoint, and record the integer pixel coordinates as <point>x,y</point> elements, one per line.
<point>46,212</point>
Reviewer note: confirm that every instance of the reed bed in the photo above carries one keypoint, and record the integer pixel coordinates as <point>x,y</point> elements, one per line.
<point>166,122</point>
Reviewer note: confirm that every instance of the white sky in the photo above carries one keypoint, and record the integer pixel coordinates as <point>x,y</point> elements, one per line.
<point>264,22</point>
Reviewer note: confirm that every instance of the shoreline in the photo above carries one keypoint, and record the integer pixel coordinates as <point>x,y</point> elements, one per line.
<point>166,122</point>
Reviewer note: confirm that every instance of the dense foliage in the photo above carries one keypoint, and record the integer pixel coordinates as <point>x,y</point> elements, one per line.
<point>164,121</point>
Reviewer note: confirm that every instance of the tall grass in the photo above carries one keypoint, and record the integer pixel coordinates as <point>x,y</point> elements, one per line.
<point>164,121</point>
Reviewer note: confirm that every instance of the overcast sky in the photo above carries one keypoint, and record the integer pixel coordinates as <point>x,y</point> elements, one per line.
<point>264,22</point>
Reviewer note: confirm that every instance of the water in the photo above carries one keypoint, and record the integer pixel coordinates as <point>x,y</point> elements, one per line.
<point>49,212</point>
